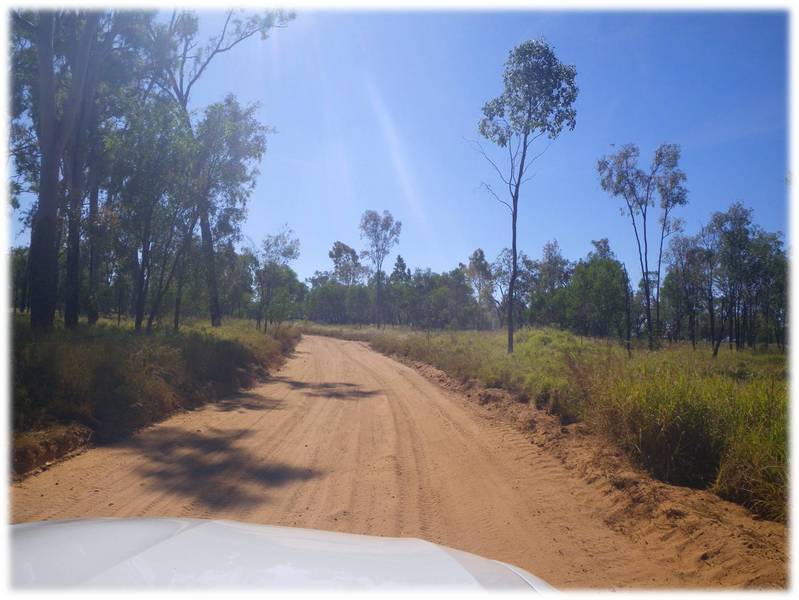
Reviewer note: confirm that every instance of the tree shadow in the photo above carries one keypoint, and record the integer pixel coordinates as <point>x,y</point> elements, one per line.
<point>337,390</point>
<point>246,401</point>
<point>208,468</point>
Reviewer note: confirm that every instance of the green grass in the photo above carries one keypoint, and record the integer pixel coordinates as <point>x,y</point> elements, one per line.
<point>687,418</point>
<point>114,380</point>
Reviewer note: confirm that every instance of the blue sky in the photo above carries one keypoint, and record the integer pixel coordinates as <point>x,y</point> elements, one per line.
<point>375,110</point>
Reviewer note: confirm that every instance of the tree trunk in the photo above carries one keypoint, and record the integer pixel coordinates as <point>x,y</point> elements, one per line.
<point>514,266</point>
<point>52,135</point>
<point>721,327</point>
<point>76,158</point>
<point>210,267</point>
<point>512,283</point>
<point>178,296</point>
<point>43,251</point>
<point>378,298</point>
<point>711,312</point>
<point>627,307</point>
<point>649,328</point>
<point>92,308</point>
<point>141,286</point>
<point>72,281</point>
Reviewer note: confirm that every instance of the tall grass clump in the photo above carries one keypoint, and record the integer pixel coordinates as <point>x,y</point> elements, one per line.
<point>687,418</point>
<point>697,421</point>
<point>114,380</point>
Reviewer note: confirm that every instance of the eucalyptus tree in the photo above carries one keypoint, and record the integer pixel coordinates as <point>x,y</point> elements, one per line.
<point>381,234</point>
<point>768,271</point>
<point>148,174</point>
<point>398,292</point>
<point>230,142</point>
<point>482,281</point>
<point>19,279</point>
<point>621,177</point>
<point>685,266</point>
<point>552,273</point>
<point>595,299</point>
<point>672,193</point>
<point>179,60</point>
<point>347,267</point>
<point>277,252</point>
<point>70,68</point>
<point>113,79</point>
<point>59,44</point>
<point>537,100</point>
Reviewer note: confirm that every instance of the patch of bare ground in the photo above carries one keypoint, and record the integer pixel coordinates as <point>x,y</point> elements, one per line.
<point>701,536</point>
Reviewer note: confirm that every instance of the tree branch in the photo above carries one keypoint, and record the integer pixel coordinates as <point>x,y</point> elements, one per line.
<point>497,198</point>
<point>490,161</point>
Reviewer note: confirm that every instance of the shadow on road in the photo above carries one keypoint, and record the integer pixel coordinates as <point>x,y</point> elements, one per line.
<point>338,390</point>
<point>248,401</point>
<point>209,468</point>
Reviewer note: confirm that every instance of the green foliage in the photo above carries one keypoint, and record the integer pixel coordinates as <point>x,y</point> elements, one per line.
<point>538,96</point>
<point>595,297</point>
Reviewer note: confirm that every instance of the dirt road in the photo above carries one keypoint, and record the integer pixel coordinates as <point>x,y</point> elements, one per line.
<point>345,439</point>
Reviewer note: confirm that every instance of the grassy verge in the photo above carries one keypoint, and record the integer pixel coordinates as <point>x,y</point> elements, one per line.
<point>113,380</point>
<point>687,418</point>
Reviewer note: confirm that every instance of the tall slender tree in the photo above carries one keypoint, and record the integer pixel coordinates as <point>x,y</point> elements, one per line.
<point>381,234</point>
<point>537,101</point>
<point>621,177</point>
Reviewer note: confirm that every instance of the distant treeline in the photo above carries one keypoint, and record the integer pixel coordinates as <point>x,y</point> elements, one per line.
<point>725,283</point>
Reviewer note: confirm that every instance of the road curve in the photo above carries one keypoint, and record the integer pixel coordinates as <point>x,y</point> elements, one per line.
<point>345,439</point>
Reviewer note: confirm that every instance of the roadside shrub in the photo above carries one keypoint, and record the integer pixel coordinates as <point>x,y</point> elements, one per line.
<point>115,381</point>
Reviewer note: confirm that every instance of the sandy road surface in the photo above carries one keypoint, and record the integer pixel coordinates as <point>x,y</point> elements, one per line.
<point>345,439</point>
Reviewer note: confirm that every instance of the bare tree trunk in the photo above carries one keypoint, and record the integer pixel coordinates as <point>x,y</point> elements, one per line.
<point>378,298</point>
<point>178,296</point>
<point>766,311</point>
<point>72,280</point>
<point>627,307</point>
<point>514,266</point>
<point>76,158</point>
<point>731,322</point>
<point>711,311</point>
<point>141,285</point>
<point>210,267</point>
<point>92,308</point>
<point>648,294</point>
<point>721,327</point>
<point>512,283</point>
<point>43,251</point>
